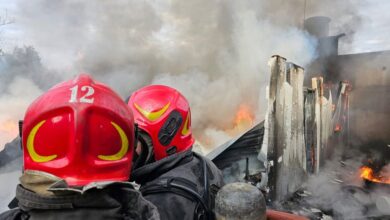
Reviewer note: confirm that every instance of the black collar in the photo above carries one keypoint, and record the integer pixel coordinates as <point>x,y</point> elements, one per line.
<point>153,170</point>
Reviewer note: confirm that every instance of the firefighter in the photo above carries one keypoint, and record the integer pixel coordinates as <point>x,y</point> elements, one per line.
<point>78,141</point>
<point>181,183</point>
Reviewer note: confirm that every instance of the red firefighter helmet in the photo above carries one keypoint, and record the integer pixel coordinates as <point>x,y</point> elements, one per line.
<point>164,114</point>
<point>81,131</point>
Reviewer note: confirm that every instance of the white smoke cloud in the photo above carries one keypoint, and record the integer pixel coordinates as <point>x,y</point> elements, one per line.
<point>14,101</point>
<point>8,190</point>
<point>215,52</point>
<point>338,189</point>
<point>9,178</point>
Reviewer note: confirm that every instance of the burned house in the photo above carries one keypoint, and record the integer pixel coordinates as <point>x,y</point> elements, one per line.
<point>338,103</point>
<point>368,73</point>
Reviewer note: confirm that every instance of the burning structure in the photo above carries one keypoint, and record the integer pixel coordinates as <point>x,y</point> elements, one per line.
<point>298,125</point>
<point>367,73</point>
<point>305,126</point>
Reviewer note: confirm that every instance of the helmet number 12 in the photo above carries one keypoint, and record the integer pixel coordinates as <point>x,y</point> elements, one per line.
<point>86,98</point>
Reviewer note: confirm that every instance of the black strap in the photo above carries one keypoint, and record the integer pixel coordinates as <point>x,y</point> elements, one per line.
<point>206,194</point>
<point>210,190</point>
<point>147,153</point>
<point>20,125</point>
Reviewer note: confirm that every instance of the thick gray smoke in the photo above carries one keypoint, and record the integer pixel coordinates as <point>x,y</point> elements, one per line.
<point>215,52</point>
<point>340,191</point>
<point>22,79</point>
<point>327,190</point>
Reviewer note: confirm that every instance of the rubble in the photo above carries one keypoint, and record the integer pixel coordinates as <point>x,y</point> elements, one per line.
<point>383,204</point>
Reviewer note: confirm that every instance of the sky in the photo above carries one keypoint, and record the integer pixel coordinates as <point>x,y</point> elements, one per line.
<point>374,32</point>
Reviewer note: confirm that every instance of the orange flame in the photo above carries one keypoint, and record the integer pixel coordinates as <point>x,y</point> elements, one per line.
<point>8,131</point>
<point>337,127</point>
<point>243,120</point>
<point>244,117</point>
<point>9,127</point>
<point>368,174</point>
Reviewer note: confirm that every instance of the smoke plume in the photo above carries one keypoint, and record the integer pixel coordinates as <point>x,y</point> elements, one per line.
<point>21,81</point>
<point>339,190</point>
<point>214,52</point>
<point>9,177</point>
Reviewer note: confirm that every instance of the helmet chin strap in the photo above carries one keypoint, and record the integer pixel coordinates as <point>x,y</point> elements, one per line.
<point>136,131</point>
<point>146,155</point>
<point>20,123</point>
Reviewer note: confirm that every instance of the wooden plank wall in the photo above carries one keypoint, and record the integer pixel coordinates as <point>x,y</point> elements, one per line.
<point>297,127</point>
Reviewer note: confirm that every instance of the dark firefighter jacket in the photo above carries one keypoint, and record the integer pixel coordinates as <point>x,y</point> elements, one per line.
<point>111,200</point>
<point>178,187</point>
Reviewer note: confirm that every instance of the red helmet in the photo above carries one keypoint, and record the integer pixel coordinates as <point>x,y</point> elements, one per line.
<point>164,114</point>
<point>81,131</point>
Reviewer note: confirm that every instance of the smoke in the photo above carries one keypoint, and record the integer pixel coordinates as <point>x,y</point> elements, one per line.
<point>327,191</point>
<point>215,52</point>
<point>22,79</point>
<point>14,100</point>
<point>8,190</point>
<point>386,170</point>
<point>339,190</point>
<point>9,178</point>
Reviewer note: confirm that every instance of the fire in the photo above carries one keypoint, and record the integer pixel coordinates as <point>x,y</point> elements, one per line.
<point>368,174</point>
<point>337,127</point>
<point>8,131</point>
<point>9,127</point>
<point>244,118</point>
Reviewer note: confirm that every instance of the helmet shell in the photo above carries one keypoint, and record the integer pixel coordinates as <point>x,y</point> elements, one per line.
<point>81,131</point>
<point>164,114</point>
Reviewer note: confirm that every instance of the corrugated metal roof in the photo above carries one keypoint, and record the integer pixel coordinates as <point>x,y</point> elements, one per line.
<point>243,146</point>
